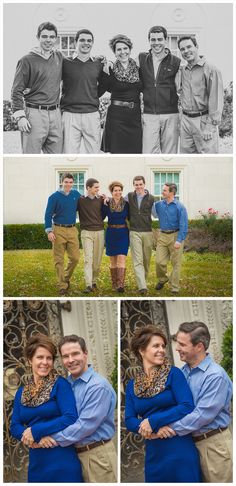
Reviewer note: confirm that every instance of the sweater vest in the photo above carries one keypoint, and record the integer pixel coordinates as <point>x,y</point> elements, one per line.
<point>159,95</point>
<point>90,213</point>
<point>140,218</point>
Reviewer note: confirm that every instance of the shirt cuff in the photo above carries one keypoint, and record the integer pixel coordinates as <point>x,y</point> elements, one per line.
<point>48,230</point>
<point>18,114</point>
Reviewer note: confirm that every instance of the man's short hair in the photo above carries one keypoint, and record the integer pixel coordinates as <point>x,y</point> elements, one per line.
<point>73,338</point>
<point>90,182</point>
<point>157,28</point>
<point>83,31</point>
<point>46,26</point>
<point>172,187</point>
<point>138,178</point>
<point>67,175</point>
<point>198,331</point>
<point>188,37</point>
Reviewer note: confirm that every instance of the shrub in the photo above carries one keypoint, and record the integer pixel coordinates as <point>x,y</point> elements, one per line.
<point>8,121</point>
<point>114,374</point>
<point>226,125</point>
<point>227,350</point>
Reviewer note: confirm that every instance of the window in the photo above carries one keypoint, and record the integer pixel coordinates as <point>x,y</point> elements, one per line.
<point>159,180</point>
<point>79,180</point>
<point>172,43</point>
<point>67,44</point>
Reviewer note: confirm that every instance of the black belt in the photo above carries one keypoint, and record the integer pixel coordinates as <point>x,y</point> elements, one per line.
<point>127,104</point>
<point>88,447</point>
<point>194,115</point>
<point>64,225</point>
<point>42,107</point>
<point>208,434</point>
<point>168,232</point>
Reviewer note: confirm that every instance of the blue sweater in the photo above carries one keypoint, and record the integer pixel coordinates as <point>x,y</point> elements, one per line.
<point>61,208</point>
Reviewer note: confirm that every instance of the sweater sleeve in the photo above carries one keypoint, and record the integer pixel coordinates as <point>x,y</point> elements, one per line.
<point>184,402</point>
<point>20,82</point>
<point>132,421</point>
<point>50,211</point>
<point>17,427</point>
<point>67,407</point>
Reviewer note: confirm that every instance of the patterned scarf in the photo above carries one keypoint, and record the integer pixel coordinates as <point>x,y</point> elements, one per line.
<point>129,75</point>
<point>148,386</point>
<point>117,206</point>
<point>34,395</point>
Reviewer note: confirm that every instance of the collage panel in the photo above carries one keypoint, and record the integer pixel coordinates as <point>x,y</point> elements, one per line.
<point>60,391</point>
<point>176,391</point>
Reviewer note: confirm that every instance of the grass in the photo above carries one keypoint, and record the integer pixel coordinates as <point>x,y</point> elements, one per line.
<point>30,273</point>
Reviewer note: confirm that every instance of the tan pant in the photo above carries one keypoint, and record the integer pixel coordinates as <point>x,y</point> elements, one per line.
<point>191,136</point>
<point>66,241</point>
<point>93,245</point>
<point>81,125</point>
<point>160,133</point>
<point>166,252</point>
<point>216,458</point>
<point>99,465</point>
<point>141,244</point>
<point>45,134</point>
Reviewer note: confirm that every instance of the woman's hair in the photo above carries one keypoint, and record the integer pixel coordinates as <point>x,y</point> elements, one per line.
<point>39,340</point>
<point>120,38</point>
<point>142,337</point>
<point>114,184</point>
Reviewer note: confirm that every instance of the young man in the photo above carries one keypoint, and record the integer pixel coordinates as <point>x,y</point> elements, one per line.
<point>92,232</point>
<point>60,219</point>
<point>94,429</point>
<point>158,69</point>
<point>212,393</point>
<point>35,95</point>
<point>201,97</point>
<point>173,221</point>
<point>141,239</point>
<point>80,102</point>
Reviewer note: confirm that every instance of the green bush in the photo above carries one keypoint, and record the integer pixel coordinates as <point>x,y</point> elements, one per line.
<point>227,350</point>
<point>114,374</point>
<point>226,126</point>
<point>221,229</point>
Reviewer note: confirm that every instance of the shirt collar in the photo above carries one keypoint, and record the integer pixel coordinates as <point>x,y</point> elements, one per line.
<point>203,365</point>
<point>93,197</point>
<point>84,377</point>
<point>201,61</point>
<point>75,55</point>
<point>63,192</point>
<point>175,201</point>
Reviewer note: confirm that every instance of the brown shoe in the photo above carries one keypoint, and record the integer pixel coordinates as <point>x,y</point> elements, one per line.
<point>113,272</point>
<point>63,292</point>
<point>120,279</point>
<point>87,290</point>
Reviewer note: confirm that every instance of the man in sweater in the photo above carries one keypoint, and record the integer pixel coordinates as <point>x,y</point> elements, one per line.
<point>173,221</point>
<point>92,232</point>
<point>60,219</point>
<point>141,239</point>
<point>80,102</point>
<point>158,69</point>
<point>35,95</point>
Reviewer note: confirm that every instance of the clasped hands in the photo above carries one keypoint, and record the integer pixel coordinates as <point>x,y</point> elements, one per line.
<point>163,433</point>
<point>45,442</point>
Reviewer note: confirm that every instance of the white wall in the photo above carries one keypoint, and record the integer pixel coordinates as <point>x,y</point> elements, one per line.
<point>28,181</point>
<point>212,23</point>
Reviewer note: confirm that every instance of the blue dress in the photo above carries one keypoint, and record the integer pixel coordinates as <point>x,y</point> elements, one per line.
<point>117,239</point>
<point>173,460</point>
<point>57,464</point>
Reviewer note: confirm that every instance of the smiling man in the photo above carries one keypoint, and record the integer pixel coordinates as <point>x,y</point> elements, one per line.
<point>79,101</point>
<point>201,97</point>
<point>158,69</point>
<point>35,95</point>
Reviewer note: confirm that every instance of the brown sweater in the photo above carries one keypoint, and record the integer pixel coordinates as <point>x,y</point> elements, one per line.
<point>90,213</point>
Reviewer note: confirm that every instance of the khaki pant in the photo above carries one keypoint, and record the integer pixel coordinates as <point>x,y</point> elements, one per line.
<point>81,125</point>
<point>166,252</point>
<point>66,241</point>
<point>141,244</point>
<point>216,458</point>
<point>160,133</point>
<point>99,465</point>
<point>191,136</point>
<point>93,245</point>
<point>45,134</point>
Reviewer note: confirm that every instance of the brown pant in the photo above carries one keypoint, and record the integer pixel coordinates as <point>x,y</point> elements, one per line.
<point>66,241</point>
<point>166,252</point>
<point>216,458</point>
<point>99,465</point>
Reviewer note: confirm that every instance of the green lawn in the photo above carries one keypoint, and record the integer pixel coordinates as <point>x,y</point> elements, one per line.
<point>30,273</point>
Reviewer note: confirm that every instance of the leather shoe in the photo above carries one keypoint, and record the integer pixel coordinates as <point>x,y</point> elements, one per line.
<point>63,292</point>
<point>94,286</point>
<point>160,285</point>
<point>88,290</point>
<point>143,291</point>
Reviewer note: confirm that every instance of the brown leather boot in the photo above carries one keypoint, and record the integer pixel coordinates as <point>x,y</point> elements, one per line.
<point>120,279</point>
<point>113,272</point>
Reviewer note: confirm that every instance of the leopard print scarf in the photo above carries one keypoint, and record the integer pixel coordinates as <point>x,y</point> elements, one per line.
<point>148,386</point>
<point>130,75</point>
<point>118,207</point>
<point>34,395</point>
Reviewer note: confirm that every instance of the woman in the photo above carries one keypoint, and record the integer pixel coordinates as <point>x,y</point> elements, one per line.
<point>123,129</point>
<point>160,395</point>
<point>45,405</point>
<point>117,234</point>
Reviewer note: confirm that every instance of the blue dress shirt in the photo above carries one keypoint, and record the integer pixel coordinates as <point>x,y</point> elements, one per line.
<point>95,402</point>
<point>212,392</point>
<point>172,216</point>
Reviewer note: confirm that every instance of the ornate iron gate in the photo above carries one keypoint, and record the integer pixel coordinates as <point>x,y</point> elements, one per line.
<point>135,313</point>
<point>22,318</point>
